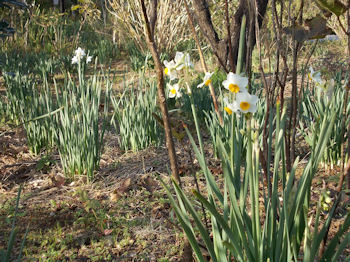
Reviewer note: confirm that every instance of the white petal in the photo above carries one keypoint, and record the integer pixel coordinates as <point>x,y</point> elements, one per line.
<point>201,85</point>
<point>172,74</point>
<point>252,108</point>
<point>230,77</point>
<point>235,107</point>
<point>207,76</point>
<point>242,89</point>
<point>242,82</point>
<point>75,60</point>
<point>180,66</point>
<point>254,99</point>
<point>88,59</point>
<point>311,70</point>
<point>179,56</point>
<point>225,83</point>
<point>242,97</point>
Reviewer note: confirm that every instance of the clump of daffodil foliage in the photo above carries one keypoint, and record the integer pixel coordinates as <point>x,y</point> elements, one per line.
<point>135,116</point>
<point>249,222</point>
<point>325,92</point>
<point>80,126</point>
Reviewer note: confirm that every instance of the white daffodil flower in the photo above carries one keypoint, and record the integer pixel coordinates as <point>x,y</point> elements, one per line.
<point>325,85</point>
<point>187,61</point>
<point>330,88</point>
<point>79,54</point>
<point>174,91</point>
<point>75,60</point>
<point>235,83</point>
<point>206,80</point>
<point>231,107</point>
<point>179,58</point>
<point>88,59</point>
<point>170,69</point>
<point>315,76</point>
<point>246,102</point>
<point>182,60</point>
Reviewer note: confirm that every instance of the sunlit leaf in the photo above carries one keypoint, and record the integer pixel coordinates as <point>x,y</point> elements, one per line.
<point>333,6</point>
<point>314,28</point>
<point>75,7</point>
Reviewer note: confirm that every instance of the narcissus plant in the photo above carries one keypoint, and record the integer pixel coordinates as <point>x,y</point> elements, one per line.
<point>235,83</point>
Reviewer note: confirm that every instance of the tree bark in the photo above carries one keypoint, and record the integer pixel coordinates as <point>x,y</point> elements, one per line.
<point>153,15</point>
<point>203,17</point>
<point>219,46</point>
<point>348,88</point>
<point>62,6</point>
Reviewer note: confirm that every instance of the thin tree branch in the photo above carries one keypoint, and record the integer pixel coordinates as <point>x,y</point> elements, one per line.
<point>204,65</point>
<point>153,15</point>
<point>161,95</point>
<point>231,60</point>
<point>203,17</point>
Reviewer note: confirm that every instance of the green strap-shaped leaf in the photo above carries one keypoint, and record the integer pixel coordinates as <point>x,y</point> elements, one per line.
<point>333,6</point>
<point>188,230</point>
<point>335,240</point>
<point>197,220</point>
<point>12,2</point>
<point>238,250</point>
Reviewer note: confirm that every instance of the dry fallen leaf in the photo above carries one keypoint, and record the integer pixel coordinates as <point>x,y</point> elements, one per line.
<point>58,180</point>
<point>149,183</point>
<point>120,190</point>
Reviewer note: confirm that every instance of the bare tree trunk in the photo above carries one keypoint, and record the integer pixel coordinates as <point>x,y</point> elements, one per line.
<point>204,65</point>
<point>219,46</point>
<point>348,88</point>
<point>104,13</point>
<point>203,17</point>
<point>153,15</point>
<point>62,6</point>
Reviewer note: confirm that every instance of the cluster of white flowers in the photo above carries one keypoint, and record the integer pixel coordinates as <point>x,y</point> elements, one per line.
<point>327,86</point>
<point>172,67</point>
<point>79,55</point>
<point>244,102</point>
<point>180,61</point>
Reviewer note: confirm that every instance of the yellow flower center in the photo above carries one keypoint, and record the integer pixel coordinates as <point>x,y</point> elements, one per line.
<point>228,110</point>
<point>244,106</point>
<point>173,91</point>
<point>309,75</point>
<point>166,70</point>
<point>207,82</point>
<point>233,88</point>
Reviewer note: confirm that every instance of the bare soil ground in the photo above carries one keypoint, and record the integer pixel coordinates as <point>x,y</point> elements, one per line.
<point>124,215</point>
